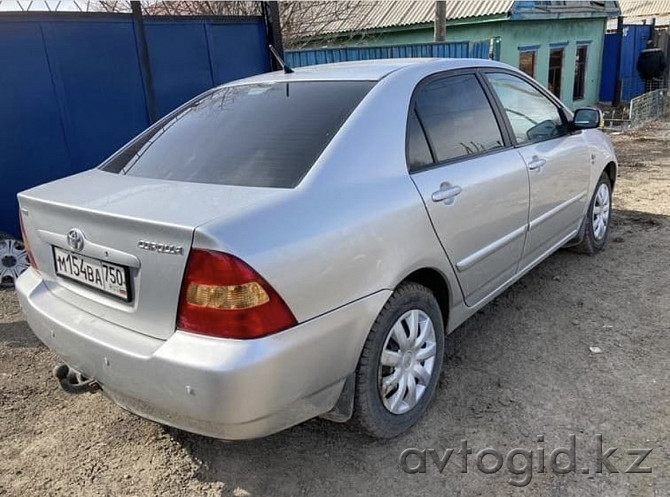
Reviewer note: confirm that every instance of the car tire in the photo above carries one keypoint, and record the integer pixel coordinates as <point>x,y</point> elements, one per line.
<point>600,207</point>
<point>13,260</point>
<point>387,411</point>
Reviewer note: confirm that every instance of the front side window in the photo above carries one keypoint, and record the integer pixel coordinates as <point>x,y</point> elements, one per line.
<point>532,115</point>
<point>580,73</point>
<point>457,118</point>
<point>267,135</point>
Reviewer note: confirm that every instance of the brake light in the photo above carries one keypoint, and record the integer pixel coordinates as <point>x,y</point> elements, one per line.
<point>224,297</point>
<point>26,244</point>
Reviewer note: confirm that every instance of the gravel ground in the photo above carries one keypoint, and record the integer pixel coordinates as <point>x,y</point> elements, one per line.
<point>520,368</point>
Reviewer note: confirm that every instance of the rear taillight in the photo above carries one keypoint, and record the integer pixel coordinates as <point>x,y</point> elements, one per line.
<point>222,296</point>
<point>26,243</point>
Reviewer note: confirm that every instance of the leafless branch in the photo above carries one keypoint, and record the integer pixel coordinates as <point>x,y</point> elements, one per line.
<point>320,22</point>
<point>314,23</point>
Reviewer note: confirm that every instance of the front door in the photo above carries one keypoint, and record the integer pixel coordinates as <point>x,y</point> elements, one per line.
<point>558,163</point>
<point>474,186</point>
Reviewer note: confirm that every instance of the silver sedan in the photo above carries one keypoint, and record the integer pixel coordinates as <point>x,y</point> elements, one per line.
<point>298,245</point>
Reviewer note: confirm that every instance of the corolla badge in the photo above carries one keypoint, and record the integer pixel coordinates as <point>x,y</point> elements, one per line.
<point>75,239</point>
<point>161,248</point>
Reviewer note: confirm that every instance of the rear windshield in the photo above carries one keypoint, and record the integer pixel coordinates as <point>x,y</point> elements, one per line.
<point>253,135</point>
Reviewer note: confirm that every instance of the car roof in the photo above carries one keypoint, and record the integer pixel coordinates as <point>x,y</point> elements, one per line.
<point>365,70</point>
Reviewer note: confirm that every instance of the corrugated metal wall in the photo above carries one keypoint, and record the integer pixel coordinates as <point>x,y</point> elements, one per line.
<point>477,50</point>
<point>73,90</point>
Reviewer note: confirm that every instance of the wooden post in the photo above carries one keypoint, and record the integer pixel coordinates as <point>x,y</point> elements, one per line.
<point>617,87</point>
<point>440,20</point>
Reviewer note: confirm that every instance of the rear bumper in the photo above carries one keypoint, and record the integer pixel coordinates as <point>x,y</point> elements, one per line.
<point>230,389</point>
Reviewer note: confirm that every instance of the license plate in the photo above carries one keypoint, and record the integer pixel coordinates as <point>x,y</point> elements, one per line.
<point>109,278</point>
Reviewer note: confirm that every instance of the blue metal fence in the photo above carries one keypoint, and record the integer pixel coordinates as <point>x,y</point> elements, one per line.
<point>73,88</point>
<point>623,50</point>
<point>478,50</point>
<point>611,51</point>
<point>635,39</point>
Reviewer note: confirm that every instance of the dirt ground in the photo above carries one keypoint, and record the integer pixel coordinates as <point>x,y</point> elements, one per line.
<point>520,368</point>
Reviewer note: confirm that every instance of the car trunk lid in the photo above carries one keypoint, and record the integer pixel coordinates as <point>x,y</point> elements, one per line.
<point>143,224</point>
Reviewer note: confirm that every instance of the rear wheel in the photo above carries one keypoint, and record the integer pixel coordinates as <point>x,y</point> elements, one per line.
<point>400,364</point>
<point>597,221</point>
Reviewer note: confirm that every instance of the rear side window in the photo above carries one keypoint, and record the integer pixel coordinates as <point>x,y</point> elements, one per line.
<point>266,135</point>
<point>418,151</point>
<point>457,118</point>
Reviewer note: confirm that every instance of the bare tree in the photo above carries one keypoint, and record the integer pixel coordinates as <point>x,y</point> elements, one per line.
<point>110,6</point>
<point>303,23</point>
<point>194,8</point>
<point>181,7</point>
<point>322,22</point>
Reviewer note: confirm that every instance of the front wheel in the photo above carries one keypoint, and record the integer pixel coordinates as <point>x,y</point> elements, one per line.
<point>400,364</point>
<point>597,221</point>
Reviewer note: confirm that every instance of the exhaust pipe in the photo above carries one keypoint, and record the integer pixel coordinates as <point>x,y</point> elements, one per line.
<point>72,381</point>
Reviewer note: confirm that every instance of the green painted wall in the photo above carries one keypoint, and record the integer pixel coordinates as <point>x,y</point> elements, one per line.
<point>515,34</point>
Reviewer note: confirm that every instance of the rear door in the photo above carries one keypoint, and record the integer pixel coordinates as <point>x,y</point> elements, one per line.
<point>473,183</point>
<point>558,162</point>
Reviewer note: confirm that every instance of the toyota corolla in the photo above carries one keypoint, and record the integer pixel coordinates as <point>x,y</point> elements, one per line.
<point>297,245</point>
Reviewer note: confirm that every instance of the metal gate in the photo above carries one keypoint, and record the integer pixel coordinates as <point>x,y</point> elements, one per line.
<point>75,87</point>
<point>622,51</point>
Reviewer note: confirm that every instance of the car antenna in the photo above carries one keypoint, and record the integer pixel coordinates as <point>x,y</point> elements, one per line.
<point>283,64</point>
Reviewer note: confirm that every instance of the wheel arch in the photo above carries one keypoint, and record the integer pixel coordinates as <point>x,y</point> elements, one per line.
<point>437,283</point>
<point>611,170</point>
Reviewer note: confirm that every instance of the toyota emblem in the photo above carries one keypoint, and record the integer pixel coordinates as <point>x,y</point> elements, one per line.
<point>75,239</point>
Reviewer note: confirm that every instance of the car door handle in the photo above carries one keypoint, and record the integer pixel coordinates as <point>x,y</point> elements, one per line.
<point>536,163</point>
<point>446,193</point>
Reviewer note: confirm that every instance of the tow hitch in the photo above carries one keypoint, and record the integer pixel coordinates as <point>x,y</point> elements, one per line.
<point>74,382</point>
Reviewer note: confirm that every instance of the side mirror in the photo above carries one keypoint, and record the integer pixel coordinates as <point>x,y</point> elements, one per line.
<point>587,118</point>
